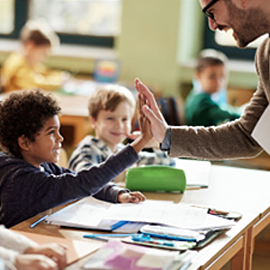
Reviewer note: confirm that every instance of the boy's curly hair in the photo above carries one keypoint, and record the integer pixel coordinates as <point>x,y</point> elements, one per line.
<point>24,113</point>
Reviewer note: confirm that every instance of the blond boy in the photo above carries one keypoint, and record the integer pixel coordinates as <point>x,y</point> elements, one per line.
<point>111,110</point>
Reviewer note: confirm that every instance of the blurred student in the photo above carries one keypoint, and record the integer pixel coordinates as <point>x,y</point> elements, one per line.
<point>30,180</point>
<point>25,69</point>
<point>111,110</point>
<point>206,104</point>
<point>19,253</point>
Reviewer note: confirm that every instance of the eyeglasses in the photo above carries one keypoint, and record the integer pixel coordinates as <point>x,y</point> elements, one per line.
<point>208,13</point>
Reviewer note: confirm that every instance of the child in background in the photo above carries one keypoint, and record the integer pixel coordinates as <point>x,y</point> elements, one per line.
<point>30,181</point>
<point>111,110</point>
<point>24,69</point>
<point>20,253</point>
<point>200,107</point>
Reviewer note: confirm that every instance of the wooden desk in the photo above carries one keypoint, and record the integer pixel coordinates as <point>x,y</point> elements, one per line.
<point>229,188</point>
<point>238,190</point>
<point>213,256</point>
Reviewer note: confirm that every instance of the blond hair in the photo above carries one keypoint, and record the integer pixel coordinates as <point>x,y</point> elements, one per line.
<point>108,98</point>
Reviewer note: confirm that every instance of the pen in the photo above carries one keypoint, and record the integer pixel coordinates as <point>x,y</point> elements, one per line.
<point>109,235</point>
<point>119,224</point>
<point>211,211</point>
<point>38,221</point>
<point>96,237</point>
<point>148,239</point>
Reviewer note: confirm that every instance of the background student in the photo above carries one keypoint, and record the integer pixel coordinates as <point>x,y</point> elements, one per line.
<point>20,253</point>
<point>30,180</point>
<point>202,106</point>
<point>25,69</point>
<point>111,110</point>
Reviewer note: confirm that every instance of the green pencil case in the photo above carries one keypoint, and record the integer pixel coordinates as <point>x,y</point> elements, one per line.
<point>156,178</point>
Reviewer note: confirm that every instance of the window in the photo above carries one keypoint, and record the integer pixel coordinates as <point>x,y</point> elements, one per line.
<point>6,16</point>
<point>90,22</point>
<point>225,42</point>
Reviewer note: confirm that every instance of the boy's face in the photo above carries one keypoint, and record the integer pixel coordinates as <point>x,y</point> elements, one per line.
<point>212,78</point>
<point>47,144</point>
<point>39,53</point>
<point>112,127</point>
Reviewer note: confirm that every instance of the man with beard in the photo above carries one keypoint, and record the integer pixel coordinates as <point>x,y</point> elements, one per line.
<point>248,19</point>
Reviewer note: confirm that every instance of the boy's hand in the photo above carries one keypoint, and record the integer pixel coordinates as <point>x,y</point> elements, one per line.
<point>131,197</point>
<point>146,134</point>
<point>55,252</point>
<point>144,123</point>
<point>152,112</point>
<point>34,262</point>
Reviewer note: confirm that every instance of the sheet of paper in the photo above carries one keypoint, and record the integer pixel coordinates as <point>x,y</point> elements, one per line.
<point>87,212</point>
<point>76,249</point>
<point>261,132</point>
<point>198,177</point>
<point>178,215</point>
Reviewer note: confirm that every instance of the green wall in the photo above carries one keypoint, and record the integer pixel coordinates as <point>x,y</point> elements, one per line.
<point>148,43</point>
<point>159,41</point>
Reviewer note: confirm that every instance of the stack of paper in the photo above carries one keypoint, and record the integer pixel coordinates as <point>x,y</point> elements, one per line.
<point>92,213</point>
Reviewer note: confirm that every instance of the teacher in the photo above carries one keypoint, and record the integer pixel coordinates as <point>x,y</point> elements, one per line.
<point>249,19</point>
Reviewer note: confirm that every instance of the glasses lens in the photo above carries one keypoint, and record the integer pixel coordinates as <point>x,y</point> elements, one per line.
<point>210,15</point>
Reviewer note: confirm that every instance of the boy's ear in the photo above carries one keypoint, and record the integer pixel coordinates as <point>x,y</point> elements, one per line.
<point>92,120</point>
<point>23,143</point>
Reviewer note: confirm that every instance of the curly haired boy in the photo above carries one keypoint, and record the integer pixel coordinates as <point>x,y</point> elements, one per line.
<point>30,181</point>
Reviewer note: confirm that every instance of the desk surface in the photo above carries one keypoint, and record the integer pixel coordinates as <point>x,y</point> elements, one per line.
<point>229,188</point>
<point>234,189</point>
<point>206,255</point>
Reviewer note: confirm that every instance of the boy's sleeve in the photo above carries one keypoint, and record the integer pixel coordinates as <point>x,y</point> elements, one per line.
<point>84,156</point>
<point>157,157</point>
<point>110,193</point>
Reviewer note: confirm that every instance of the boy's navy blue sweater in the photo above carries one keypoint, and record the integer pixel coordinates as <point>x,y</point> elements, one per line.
<point>26,190</point>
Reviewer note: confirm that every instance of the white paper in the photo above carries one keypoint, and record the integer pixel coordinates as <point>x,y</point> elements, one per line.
<point>177,215</point>
<point>261,132</point>
<point>195,177</point>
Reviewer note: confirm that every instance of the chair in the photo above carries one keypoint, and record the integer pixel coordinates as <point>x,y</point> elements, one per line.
<point>171,109</point>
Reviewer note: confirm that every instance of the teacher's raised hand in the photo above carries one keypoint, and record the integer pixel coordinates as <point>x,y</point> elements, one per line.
<point>152,112</point>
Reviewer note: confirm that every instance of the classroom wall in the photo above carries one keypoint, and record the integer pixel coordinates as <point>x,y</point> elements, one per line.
<point>159,41</point>
<point>148,42</point>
